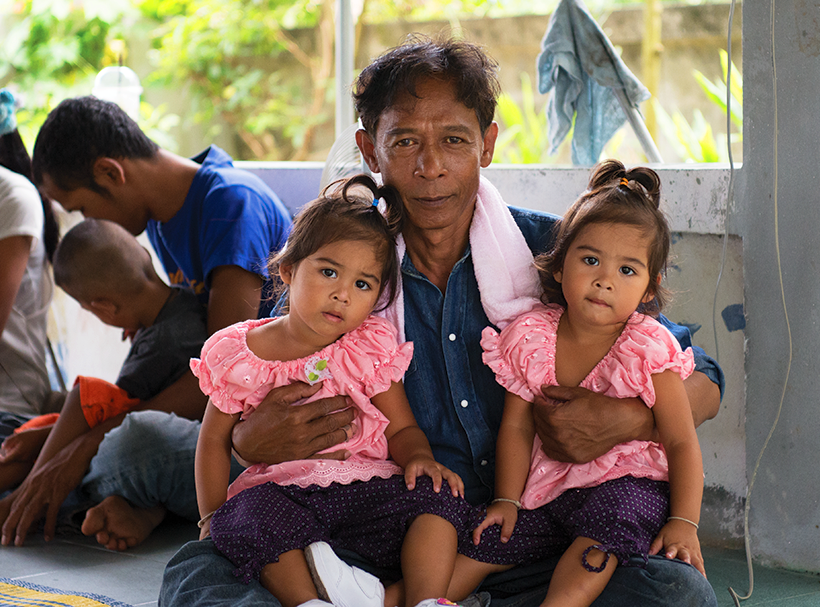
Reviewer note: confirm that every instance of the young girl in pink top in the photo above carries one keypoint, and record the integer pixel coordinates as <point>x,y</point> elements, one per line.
<point>609,255</point>
<point>337,264</point>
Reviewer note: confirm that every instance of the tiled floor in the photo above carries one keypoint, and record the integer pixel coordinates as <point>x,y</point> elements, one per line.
<point>76,563</point>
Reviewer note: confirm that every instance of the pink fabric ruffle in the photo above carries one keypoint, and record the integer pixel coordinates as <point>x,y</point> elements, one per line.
<point>361,363</point>
<point>522,357</point>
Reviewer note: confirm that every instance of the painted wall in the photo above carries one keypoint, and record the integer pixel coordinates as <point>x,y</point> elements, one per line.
<point>776,211</point>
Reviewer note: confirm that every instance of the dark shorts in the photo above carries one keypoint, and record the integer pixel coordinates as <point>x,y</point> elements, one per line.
<point>623,515</point>
<point>369,518</point>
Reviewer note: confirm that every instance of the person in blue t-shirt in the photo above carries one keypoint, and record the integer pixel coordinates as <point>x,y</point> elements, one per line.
<point>213,227</point>
<point>427,111</point>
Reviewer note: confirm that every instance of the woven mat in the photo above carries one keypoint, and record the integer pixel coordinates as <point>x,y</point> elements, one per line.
<point>17,593</point>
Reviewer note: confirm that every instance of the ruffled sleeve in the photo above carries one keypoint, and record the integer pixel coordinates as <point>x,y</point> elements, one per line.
<point>645,348</point>
<point>522,356</point>
<point>370,357</point>
<point>226,370</point>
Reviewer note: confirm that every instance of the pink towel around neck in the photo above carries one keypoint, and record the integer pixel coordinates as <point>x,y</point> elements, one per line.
<point>507,279</point>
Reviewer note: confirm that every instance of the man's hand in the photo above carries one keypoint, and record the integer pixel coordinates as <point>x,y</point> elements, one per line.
<point>43,492</point>
<point>279,431</point>
<point>576,425</point>
<point>23,446</point>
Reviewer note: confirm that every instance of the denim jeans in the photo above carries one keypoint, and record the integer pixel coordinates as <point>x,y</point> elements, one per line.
<point>148,460</point>
<point>198,576</point>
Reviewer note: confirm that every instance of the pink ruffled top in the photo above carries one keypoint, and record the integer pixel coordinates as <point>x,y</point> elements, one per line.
<point>359,364</point>
<point>523,359</point>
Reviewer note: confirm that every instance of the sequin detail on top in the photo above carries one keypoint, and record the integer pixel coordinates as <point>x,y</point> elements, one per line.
<point>360,364</point>
<point>522,357</point>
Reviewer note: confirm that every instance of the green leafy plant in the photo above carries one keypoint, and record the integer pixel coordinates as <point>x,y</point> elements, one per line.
<point>231,54</point>
<point>523,136</point>
<point>54,49</point>
<point>695,141</point>
<point>716,90</point>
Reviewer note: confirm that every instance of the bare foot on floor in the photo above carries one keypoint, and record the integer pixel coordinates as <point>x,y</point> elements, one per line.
<point>118,525</point>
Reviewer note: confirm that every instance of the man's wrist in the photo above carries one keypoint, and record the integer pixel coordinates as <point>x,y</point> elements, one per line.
<point>641,423</point>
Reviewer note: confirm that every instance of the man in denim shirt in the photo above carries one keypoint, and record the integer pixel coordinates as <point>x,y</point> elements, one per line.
<point>427,110</point>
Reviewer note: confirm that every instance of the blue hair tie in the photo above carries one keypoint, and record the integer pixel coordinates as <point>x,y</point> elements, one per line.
<point>8,116</point>
<point>375,202</point>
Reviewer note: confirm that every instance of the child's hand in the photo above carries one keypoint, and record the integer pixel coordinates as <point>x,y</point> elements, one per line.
<point>205,530</point>
<point>680,539</point>
<point>428,466</point>
<point>498,513</point>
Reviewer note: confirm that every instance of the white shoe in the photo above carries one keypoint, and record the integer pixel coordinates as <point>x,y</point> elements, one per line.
<point>474,600</point>
<point>339,583</point>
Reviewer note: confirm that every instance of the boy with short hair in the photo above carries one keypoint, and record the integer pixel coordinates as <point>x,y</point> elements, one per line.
<point>111,275</point>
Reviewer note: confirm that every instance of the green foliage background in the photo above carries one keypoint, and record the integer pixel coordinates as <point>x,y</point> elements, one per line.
<point>227,55</point>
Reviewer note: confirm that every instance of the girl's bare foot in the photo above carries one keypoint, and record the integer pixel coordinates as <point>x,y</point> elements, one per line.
<point>118,525</point>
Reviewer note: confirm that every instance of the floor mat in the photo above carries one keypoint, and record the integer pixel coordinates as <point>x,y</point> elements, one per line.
<point>17,593</point>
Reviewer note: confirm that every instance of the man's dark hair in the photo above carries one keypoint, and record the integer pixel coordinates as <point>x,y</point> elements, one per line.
<point>400,69</point>
<point>78,132</point>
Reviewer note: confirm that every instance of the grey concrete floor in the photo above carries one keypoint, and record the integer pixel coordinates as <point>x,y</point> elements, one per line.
<point>76,563</point>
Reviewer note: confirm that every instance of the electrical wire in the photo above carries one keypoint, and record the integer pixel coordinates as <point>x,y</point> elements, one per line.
<point>731,188</point>
<point>746,535</point>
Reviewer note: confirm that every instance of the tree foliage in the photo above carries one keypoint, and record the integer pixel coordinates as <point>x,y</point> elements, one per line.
<point>231,54</point>
<point>53,49</point>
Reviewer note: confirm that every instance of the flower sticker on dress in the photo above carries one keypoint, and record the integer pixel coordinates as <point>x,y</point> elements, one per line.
<point>316,370</point>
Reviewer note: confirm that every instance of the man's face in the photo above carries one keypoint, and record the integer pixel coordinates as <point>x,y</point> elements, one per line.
<point>95,204</point>
<point>431,149</point>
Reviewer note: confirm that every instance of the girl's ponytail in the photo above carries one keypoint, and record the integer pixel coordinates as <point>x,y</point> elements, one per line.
<point>641,181</point>
<point>393,206</point>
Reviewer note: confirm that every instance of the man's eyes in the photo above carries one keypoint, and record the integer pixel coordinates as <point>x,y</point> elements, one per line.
<point>451,140</point>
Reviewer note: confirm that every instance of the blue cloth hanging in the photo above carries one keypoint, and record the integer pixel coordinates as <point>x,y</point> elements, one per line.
<point>579,64</point>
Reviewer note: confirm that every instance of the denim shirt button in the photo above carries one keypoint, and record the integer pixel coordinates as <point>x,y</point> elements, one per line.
<point>484,462</point>
<point>452,337</point>
<point>464,403</point>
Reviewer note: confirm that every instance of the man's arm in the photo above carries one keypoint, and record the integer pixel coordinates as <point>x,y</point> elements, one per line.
<point>280,432</point>
<point>183,397</point>
<point>234,296</point>
<point>581,425</point>
<point>704,397</point>
<point>45,489</point>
